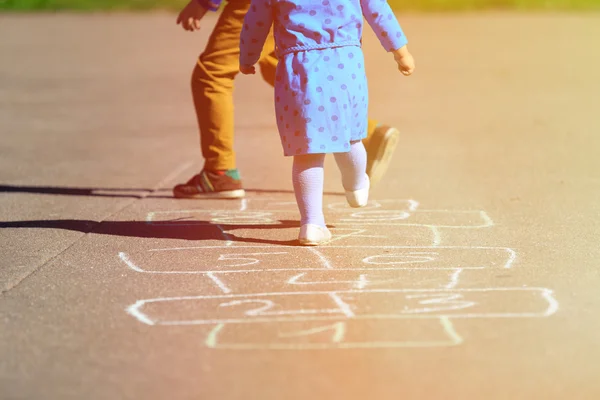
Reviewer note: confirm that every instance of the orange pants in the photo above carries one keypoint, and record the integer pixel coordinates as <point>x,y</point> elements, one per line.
<point>212,86</point>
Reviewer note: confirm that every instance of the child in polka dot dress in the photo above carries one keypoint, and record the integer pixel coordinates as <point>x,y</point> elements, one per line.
<point>321,96</point>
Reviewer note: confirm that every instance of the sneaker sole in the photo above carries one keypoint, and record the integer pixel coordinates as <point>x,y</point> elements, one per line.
<point>226,194</point>
<point>306,242</point>
<point>381,161</point>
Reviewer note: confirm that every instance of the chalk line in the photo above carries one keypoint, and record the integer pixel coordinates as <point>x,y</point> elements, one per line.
<point>322,258</point>
<point>454,279</point>
<point>337,340</point>
<point>362,282</point>
<point>548,294</point>
<point>344,307</point>
<point>350,291</point>
<point>218,282</point>
<point>226,236</point>
<point>211,339</point>
<point>511,258</point>
<point>123,256</point>
<point>338,335</point>
<point>437,235</point>
<point>337,247</point>
<point>449,329</point>
<point>134,310</point>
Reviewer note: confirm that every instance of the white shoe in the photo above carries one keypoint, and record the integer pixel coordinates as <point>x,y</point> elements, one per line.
<point>358,198</point>
<point>313,235</point>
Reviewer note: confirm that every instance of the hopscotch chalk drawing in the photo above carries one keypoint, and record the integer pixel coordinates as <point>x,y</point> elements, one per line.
<point>341,295</point>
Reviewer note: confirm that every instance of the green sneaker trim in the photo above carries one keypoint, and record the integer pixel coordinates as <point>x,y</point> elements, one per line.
<point>233,173</point>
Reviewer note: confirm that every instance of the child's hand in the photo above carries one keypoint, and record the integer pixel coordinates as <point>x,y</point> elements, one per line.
<point>405,60</point>
<point>190,16</point>
<point>247,69</point>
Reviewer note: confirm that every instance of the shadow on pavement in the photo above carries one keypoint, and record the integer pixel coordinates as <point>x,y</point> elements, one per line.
<point>75,191</point>
<point>200,230</point>
<point>139,193</point>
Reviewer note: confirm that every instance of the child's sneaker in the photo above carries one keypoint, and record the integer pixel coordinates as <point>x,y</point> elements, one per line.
<point>212,184</point>
<point>313,235</point>
<point>382,144</point>
<point>358,198</point>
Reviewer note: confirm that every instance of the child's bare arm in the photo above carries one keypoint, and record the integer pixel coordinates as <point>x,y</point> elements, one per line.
<point>405,60</point>
<point>257,23</point>
<point>193,12</point>
<point>382,20</point>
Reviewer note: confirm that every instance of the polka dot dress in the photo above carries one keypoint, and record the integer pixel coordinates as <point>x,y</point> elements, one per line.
<point>322,104</point>
<point>321,94</point>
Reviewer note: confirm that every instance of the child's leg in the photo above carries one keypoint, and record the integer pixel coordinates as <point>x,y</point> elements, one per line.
<point>307,177</point>
<point>353,166</point>
<point>212,87</point>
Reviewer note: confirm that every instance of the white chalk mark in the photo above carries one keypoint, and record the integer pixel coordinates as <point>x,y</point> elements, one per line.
<point>511,258</point>
<point>339,329</point>
<point>335,315</point>
<point>487,221</point>
<point>372,236</point>
<point>134,310</point>
<point>304,312</point>
<point>362,282</point>
<point>332,346</point>
<point>449,330</point>
<point>376,216</point>
<point>423,290</point>
<point>393,218</point>
<point>248,260</point>
<point>454,279</point>
<point>266,305</point>
<point>226,236</point>
<point>553,303</point>
<point>344,307</point>
<point>547,294</point>
<point>447,301</point>
<point>246,271</point>
<point>322,258</point>
<point>413,205</point>
<point>412,257</point>
<point>294,279</point>
<point>227,217</point>
<point>150,217</point>
<point>218,282</point>
<point>340,237</point>
<point>337,247</point>
<point>545,291</point>
<point>437,235</point>
<point>211,339</point>
<point>486,218</point>
<point>357,233</point>
<point>125,258</point>
<point>343,206</point>
<point>246,218</point>
<point>243,204</point>
<point>337,340</point>
<point>269,304</point>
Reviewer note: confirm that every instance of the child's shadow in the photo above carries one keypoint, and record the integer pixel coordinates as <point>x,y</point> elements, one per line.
<point>197,230</point>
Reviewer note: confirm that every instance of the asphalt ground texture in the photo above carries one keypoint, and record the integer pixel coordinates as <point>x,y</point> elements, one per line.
<point>471,274</point>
